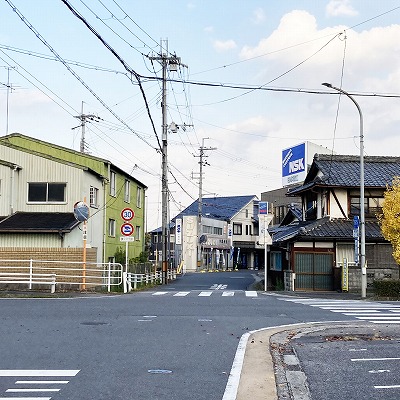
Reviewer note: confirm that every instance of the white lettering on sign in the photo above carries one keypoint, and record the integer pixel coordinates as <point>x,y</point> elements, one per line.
<point>296,165</point>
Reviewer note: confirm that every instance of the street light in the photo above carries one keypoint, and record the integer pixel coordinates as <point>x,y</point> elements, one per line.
<point>362,196</point>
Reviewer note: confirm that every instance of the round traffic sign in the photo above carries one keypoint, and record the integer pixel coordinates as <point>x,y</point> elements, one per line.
<point>127,229</point>
<point>127,214</point>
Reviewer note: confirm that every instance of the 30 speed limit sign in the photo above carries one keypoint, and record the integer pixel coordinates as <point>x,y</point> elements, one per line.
<point>127,214</point>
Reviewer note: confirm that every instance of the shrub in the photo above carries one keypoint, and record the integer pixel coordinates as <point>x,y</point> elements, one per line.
<point>387,288</point>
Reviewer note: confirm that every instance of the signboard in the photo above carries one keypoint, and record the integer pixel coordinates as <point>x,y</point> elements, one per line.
<point>126,239</point>
<point>127,229</point>
<point>127,214</point>
<point>178,231</point>
<point>263,207</point>
<point>230,232</point>
<point>294,165</point>
<point>345,276</point>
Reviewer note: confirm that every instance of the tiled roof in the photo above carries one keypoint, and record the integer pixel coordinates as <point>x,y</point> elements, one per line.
<point>344,171</point>
<point>222,208</point>
<point>326,229</point>
<point>29,222</point>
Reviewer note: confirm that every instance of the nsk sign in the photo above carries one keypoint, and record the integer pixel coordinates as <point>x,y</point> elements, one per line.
<point>294,164</point>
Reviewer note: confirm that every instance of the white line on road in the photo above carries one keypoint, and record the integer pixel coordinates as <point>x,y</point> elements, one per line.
<point>159,293</point>
<point>27,398</point>
<point>205,294</point>
<point>388,387</point>
<point>38,372</point>
<point>181,294</point>
<point>251,293</point>
<point>41,382</point>
<point>31,390</point>
<point>228,294</point>
<point>376,359</point>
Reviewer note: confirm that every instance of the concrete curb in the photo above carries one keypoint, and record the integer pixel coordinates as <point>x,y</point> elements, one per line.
<point>266,366</point>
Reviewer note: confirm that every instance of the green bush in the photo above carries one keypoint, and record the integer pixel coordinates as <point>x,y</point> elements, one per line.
<point>387,288</point>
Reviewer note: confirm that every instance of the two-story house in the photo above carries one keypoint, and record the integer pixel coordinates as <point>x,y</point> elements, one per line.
<point>49,182</point>
<point>227,238</point>
<point>314,244</point>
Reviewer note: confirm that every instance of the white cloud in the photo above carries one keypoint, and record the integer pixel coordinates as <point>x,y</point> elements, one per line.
<point>209,29</point>
<point>336,8</point>
<point>258,16</point>
<point>220,45</point>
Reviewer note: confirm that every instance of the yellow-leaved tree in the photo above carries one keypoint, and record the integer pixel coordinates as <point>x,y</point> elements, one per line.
<point>390,217</point>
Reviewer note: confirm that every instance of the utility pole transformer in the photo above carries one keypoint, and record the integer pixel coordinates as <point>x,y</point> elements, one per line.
<point>172,62</point>
<point>84,117</point>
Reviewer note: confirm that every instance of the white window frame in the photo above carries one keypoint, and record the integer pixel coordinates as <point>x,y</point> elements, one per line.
<point>137,232</point>
<point>127,191</point>
<point>113,183</point>
<point>94,197</point>
<point>139,197</point>
<point>111,227</point>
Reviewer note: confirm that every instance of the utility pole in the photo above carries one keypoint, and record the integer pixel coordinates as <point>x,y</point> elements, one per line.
<point>84,117</point>
<point>200,201</point>
<point>171,61</point>
<point>9,88</point>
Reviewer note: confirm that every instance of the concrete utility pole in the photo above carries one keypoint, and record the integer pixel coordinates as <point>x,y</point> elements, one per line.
<point>84,117</point>
<point>171,61</point>
<point>200,201</point>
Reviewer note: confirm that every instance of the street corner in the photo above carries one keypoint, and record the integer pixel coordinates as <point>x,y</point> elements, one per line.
<point>291,380</point>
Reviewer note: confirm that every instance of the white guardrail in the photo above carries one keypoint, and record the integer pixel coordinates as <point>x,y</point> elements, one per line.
<point>152,278</point>
<point>41,272</point>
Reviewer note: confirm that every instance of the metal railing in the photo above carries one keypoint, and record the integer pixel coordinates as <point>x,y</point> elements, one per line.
<point>145,279</point>
<point>61,273</point>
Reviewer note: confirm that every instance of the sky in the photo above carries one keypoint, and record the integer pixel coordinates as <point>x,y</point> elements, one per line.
<point>247,87</point>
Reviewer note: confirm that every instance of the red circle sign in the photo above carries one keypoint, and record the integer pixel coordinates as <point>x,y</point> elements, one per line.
<point>127,214</point>
<point>127,229</point>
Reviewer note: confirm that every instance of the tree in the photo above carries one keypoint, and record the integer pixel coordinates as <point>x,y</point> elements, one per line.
<point>390,217</point>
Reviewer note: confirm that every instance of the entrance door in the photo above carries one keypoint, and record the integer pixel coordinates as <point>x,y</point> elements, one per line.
<point>314,271</point>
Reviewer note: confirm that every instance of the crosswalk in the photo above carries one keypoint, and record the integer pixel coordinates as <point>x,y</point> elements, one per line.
<point>207,293</point>
<point>377,313</point>
<point>35,383</point>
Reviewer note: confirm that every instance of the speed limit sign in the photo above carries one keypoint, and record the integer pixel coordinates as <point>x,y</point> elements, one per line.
<point>127,214</point>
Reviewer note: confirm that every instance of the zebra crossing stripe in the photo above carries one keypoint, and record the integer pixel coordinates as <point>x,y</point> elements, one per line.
<point>228,294</point>
<point>181,294</point>
<point>205,294</point>
<point>251,293</point>
<point>38,372</point>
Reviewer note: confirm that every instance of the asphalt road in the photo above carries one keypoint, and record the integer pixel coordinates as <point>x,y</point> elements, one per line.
<point>173,342</point>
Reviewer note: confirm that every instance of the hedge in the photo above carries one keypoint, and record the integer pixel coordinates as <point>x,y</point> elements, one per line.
<point>387,288</point>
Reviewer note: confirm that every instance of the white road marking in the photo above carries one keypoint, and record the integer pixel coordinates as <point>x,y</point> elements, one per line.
<point>379,317</point>
<point>228,294</point>
<point>41,382</point>
<point>159,293</point>
<point>387,387</point>
<point>31,390</point>
<point>27,398</point>
<point>38,372</point>
<point>205,294</point>
<point>181,294</point>
<point>376,359</point>
<point>378,371</point>
<point>251,293</point>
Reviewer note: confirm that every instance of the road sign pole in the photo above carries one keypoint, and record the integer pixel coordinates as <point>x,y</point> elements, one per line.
<point>126,256</point>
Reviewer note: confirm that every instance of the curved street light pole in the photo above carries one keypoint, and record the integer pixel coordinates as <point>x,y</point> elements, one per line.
<point>362,195</point>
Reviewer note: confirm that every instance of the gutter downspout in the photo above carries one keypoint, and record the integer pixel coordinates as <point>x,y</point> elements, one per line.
<point>15,168</point>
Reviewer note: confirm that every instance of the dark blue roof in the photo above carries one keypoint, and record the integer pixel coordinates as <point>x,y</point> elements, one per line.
<point>344,171</point>
<point>222,208</point>
<point>327,229</point>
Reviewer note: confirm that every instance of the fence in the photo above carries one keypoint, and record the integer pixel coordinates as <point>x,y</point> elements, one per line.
<point>139,279</point>
<point>63,274</point>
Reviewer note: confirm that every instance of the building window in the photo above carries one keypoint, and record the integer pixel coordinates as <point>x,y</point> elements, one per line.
<point>372,206</point>
<point>113,183</point>
<point>247,213</point>
<point>237,229</point>
<point>111,227</point>
<point>45,192</point>
<point>139,197</point>
<point>207,229</point>
<point>127,192</point>
<point>155,238</point>
<point>94,197</point>
<point>248,230</point>
<point>137,232</point>
<point>217,231</point>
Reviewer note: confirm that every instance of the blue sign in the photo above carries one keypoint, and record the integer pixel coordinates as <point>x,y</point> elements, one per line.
<point>263,207</point>
<point>294,164</point>
<point>356,222</point>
